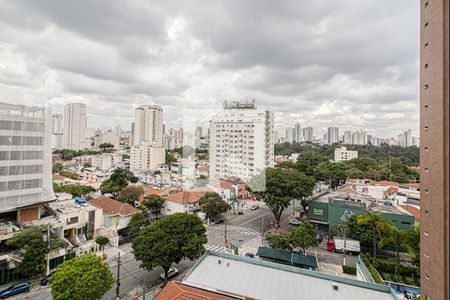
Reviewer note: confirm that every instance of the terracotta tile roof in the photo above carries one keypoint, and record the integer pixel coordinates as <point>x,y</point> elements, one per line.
<point>349,190</point>
<point>57,177</point>
<point>113,207</point>
<point>416,185</point>
<point>392,190</point>
<point>412,210</point>
<point>203,168</point>
<point>226,185</point>
<point>186,197</point>
<point>385,183</point>
<point>153,192</point>
<point>178,291</point>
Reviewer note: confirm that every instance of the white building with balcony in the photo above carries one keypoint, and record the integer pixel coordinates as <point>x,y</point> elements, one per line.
<point>241,141</point>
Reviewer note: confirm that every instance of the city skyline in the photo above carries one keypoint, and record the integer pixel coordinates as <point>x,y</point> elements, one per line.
<point>311,71</point>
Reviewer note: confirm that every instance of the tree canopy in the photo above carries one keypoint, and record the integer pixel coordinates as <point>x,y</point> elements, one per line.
<point>213,205</point>
<point>85,278</point>
<point>281,187</point>
<point>117,181</point>
<point>301,237</point>
<point>154,203</point>
<point>33,248</point>
<point>74,189</point>
<point>170,240</point>
<point>130,194</point>
<point>137,222</point>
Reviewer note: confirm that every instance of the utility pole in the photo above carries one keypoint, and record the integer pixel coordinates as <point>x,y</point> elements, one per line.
<point>225,235</point>
<point>262,229</point>
<point>143,289</point>
<point>119,262</point>
<point>48,250</point>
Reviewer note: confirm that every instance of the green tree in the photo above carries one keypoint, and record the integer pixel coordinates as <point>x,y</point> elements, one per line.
<point>279,241</point>
<point>377,225</point>
<point>154,203</point>
<point>304,236</point>
<point>307,162</point>
<point>213,205</point>
<point>130,194</point>
<point>105,146</point>
<point>234,202</point>
<point>281,187</point>
<point>84,278</point>
<point>170,240</point>
<point>109,187</point>
<point>57,167</point>
<point>394,237</point>
<point>122,176</point>
<point>412,244</point>
<point>74,189</point>
<point>136,224</point>
<point>361,232</point>
<point>33,248</point>
<point>170,158</point>
<point>70,175</point>
<point>102,241</point>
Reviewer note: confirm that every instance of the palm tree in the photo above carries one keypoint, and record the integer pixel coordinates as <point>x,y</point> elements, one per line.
<point>234,202</point>
<point>395,237</point>
<point>412,244</point>
<point>377,224</point>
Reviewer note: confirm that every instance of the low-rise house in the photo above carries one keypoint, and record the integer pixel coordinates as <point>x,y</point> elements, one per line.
<point>409,193</point>
<point>202,171</point>
<point>94,175</point>
<point>182,202</point>
<point>116,216</point>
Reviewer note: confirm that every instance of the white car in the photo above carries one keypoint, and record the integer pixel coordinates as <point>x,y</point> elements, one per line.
<point>294,222</point>
<point>172,272</point>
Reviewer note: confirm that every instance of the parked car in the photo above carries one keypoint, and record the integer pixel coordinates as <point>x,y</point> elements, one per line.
<point>254,207</point>
<point>15,289</point>
<point>218,221</point>
<point>172,272</point>
<point>250,255</point>
<point>44,280</point>
<point>294,222</point>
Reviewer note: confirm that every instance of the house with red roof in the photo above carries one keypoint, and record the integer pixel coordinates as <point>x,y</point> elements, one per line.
<point>116,216</point>
<point>181,202</point>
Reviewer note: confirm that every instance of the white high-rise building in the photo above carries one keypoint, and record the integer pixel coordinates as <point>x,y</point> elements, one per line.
<point>75,124</point>
<point>359,138</point>
<point>298,133</point>
<point>57,130</point>
<point>333,135</point>
<point>241,141</point>
<point>146,157</point>
<point>25,156</point>
<point>308,134</point>
<point>148,125</point>
<point>290,135</point>
<point>111,138</point>
<point>348,137</point>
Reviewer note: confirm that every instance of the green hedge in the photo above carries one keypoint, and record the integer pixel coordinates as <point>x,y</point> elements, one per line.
<point>366,259</point>
<point>349,270</point>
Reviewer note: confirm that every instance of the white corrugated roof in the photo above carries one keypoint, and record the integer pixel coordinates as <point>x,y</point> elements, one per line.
<point>265,280</point>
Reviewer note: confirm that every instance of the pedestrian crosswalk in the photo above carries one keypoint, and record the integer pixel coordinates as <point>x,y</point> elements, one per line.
<point>252,245</point>
<point>234,228</point>
<point>215,248</point>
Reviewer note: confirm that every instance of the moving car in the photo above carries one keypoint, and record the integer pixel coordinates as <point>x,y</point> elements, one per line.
<point>15,289</point>
<point>294,222</point>
<point>254,207</point>
<point>172,272</point>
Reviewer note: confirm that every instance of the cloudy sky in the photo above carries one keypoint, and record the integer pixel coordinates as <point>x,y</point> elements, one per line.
<point>346,63</point>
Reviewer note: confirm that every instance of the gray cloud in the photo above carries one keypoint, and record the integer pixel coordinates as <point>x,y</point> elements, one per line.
<point>346,63</point>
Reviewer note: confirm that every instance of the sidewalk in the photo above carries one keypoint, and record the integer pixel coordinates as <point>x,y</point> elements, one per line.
<point>112,252</point>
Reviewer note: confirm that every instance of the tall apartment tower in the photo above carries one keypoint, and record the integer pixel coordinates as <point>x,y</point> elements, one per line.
<point>434,150</point>
<point>25,156</point>
<point>298,133</point>
<point>333,135</point>
<point>148,125</point>
<point>348,137</point>
<point>75,123</point>
<point>290,135</point>
<point>308,134</point>
<point>241,141</point>
<point>57,130</point>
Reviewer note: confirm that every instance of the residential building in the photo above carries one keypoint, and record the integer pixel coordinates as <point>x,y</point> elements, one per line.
<point>405,139</point>
<point>148,125</point>
<point>308,134</point>
<point>57,130</point>
<point>342,154</point>
<point>434,149</point>
<point>229,274</point>
<point>241,141</point>
<point>146,157</point>
<point>25,156</point>
<point>106,161</point>
<point>359,137</point>
<point>75,123</point>
<point>298,133</point>
<point>333,135</point>
<point>182,202</point>
<point>290,135</point>
<point>408,193</point>
<point>174,290</point>
<point>111,138</point>
<point>116,216</point>
<point>347,138</point>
